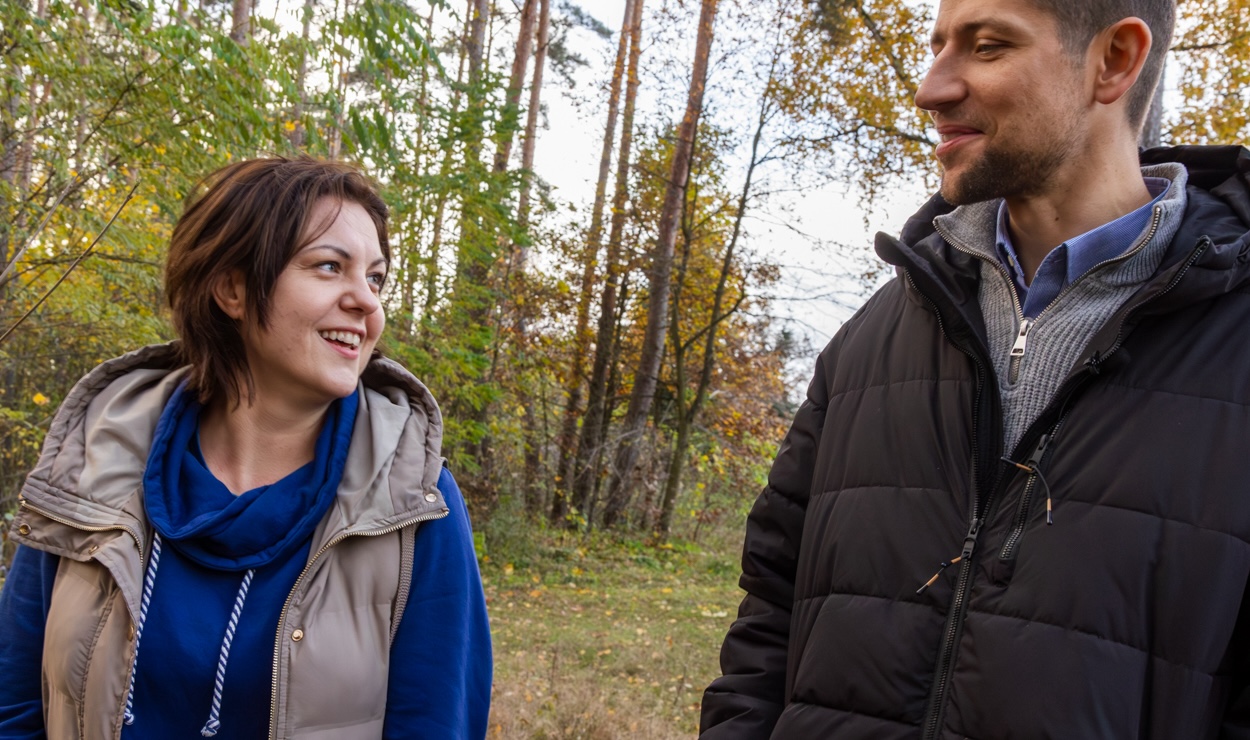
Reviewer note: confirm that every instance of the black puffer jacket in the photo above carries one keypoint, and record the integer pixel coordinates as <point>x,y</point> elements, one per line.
<point>1129,617</point>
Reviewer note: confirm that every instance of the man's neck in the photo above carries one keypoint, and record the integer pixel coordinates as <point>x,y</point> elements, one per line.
<point>1080,200</point>
<point>252,445</point>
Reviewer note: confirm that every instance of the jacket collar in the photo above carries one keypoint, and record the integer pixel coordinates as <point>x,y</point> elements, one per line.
<point>89,474</point>
<point>1208,257</point>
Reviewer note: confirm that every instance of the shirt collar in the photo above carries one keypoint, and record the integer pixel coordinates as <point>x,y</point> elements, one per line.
<point>1081,253</point>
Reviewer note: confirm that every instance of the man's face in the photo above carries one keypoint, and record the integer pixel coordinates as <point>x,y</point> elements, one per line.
<point>1007,98</point>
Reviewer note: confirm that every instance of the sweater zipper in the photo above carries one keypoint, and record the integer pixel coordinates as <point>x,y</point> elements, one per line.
<point>954,620</point>
<point>277,650</point>
<point>1025,324</point>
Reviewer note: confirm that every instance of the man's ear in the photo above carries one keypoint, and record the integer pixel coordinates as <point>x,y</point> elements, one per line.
<point>230,293</point>
<point>1117,56</point>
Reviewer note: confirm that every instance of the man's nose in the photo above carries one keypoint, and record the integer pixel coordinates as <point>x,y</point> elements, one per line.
<point>942,86</point>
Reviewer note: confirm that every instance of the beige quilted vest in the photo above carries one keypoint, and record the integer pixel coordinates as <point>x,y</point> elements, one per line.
<point>83,502</point>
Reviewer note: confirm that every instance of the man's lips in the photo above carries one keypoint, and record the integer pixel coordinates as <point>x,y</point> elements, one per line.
<point>955,136</point>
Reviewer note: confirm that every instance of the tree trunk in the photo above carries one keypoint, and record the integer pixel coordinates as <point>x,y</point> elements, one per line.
<point>581,335</point>
<point>647,374</point>
<point>533,493</point>
<point>479,13</point>
<point>686,417</point>
<point>297,134</point>
<point>241,22</point>
<point>531,122</point>
<point>524,42</point>
<point>594,432</point>
<point>444,171</point>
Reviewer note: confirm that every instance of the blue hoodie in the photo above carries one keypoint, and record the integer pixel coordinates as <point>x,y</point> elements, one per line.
<point>218,584</point>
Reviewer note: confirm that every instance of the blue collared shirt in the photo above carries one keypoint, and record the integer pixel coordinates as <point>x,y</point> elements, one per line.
<point>1076,256</point>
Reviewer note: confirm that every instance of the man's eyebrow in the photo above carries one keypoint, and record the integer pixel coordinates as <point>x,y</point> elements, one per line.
<point>971,27</point>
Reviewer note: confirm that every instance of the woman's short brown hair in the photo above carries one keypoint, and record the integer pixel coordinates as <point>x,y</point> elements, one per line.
<point>251,216</point>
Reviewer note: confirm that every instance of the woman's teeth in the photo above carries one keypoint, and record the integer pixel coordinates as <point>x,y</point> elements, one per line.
<point>351,339</point>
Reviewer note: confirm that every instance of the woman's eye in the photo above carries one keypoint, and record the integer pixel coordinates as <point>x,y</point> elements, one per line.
<point>328,266</point>
<point>376,279</point>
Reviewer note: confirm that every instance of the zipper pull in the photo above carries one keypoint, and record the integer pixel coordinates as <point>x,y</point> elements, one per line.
<point>970,544</point>
<point>970,541</point>
<point>1035,459</point>
<point>1022,339</point>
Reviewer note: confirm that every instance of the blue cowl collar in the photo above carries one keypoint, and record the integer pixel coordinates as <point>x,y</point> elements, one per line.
<point>197,515</point>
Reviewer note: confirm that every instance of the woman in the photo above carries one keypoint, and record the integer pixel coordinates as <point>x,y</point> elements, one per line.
<point>249,532</point>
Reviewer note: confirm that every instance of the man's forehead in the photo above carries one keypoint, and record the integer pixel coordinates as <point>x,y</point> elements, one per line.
<point>957,17</point>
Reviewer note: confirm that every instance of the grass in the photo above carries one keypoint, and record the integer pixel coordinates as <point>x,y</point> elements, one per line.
<point>607,639</point>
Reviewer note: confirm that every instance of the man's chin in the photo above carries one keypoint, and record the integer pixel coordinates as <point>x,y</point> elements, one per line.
<point>965,190</point>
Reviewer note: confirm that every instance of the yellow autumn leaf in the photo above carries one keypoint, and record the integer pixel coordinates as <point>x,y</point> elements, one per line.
<point>40,399</point>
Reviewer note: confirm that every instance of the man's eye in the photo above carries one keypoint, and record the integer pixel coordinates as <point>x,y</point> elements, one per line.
<point>986,48</point>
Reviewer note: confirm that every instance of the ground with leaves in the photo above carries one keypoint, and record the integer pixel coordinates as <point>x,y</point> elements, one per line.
<point>597,640</point>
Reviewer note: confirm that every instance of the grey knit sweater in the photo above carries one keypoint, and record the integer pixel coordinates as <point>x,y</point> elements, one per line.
<point>1060,333</point>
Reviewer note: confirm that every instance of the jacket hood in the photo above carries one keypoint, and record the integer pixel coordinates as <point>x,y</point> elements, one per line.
<point>90,472</point>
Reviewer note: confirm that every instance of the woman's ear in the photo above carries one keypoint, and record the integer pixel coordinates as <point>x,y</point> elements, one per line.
<point>230,293</point>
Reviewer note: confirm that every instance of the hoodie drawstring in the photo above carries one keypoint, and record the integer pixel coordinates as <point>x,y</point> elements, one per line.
<point>214,716</point>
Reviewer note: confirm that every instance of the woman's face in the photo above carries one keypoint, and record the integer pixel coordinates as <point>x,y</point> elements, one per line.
<point>324,313</point>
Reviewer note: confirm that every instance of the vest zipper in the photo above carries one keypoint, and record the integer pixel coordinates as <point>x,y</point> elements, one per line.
<point>277,649</point>
<point>138,540</point>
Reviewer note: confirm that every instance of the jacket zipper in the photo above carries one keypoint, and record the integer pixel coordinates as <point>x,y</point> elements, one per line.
<point>1026,499</point>
<point>954,620</point>
<point>1026,324</point>
<point>277,650</point>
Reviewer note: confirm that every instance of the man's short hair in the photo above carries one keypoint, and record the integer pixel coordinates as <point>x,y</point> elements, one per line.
<point>251,216</point>
<point>1080,20</point>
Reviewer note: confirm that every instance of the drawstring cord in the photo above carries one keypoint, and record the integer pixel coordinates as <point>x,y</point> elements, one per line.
<point>148,580</point>
<point>938,575</point>
<point>214,716</point>
<point>1033,470</point>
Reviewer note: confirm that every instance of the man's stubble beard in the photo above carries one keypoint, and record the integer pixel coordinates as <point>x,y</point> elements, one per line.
<point>1007,173</point>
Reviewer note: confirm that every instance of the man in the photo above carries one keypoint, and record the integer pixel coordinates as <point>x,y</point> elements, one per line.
<point>1014,504</point>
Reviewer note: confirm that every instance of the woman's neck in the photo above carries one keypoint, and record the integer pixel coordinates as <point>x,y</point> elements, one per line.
<point>249,445</point>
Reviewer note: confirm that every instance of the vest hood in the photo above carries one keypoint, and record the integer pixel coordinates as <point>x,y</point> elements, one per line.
<point>90,472</point>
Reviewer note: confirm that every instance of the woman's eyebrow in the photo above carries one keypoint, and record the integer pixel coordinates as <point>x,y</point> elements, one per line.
<point>344,253</point>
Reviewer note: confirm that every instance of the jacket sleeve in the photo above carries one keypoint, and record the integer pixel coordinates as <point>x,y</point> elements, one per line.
<point>24,606</point>
<point>746,701</point>
<point>440,674</point>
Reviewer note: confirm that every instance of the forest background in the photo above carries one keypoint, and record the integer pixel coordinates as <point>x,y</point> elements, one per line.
<point>617,361</point>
